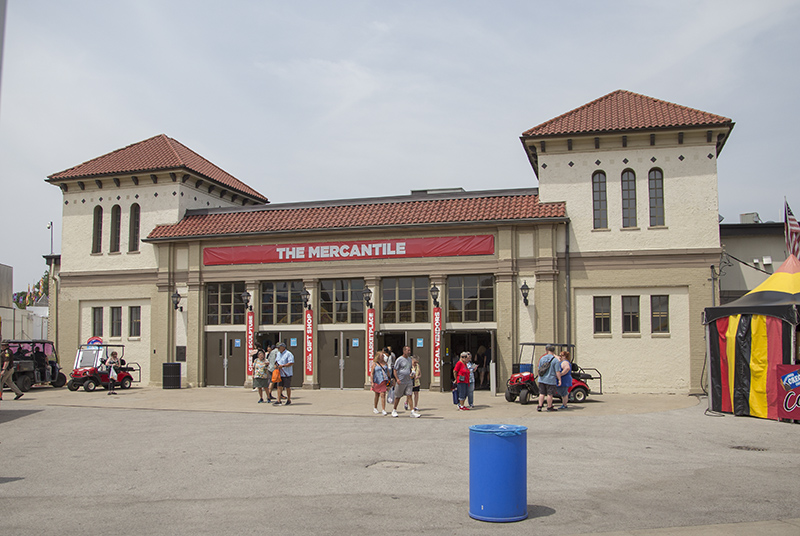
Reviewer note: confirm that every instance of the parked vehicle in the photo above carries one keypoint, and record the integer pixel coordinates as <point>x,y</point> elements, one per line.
<point>90,371</point>
<point>523,381</point>
<point>36,363</point>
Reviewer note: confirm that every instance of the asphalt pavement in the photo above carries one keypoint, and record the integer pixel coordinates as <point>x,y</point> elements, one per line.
<point>214,461</point>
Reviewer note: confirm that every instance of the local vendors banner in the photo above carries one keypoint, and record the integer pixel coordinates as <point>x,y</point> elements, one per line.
<point>447,246</point>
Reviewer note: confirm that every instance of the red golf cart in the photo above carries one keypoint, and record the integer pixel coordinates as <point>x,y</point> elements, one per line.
<point>90,371</point>
<point>523,385</point>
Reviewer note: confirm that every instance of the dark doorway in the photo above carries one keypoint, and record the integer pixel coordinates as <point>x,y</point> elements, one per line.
<point>420,343</point>
<point>456,342</point>
<point>293,341</point>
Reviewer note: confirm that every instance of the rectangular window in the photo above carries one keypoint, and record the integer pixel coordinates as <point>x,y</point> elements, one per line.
<point>630,314</point>
<point>341,301</point>
<point>97,321</point>
<point>659,314</point>
<point>599,201</point>
<point>282,302</point>
<point>404,299</point>
<point>656,185</point>
<point>628,198</point>
<point>602,314</point>
<point>470,298</point>
<point>116,321</point>
<point>135,321</point>
<point>224,305</point>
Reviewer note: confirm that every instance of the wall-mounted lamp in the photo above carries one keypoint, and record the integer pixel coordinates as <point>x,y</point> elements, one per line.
<point>306,298</point>
<point>435,295</point>
<point>525,289</point>
<point>246,299</point>
<point>176,299</point>
<point>367,293</point>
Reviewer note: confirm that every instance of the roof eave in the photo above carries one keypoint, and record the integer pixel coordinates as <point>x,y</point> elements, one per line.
<point>483,223</point>
<point>589,133</point>
<point>52,179</point>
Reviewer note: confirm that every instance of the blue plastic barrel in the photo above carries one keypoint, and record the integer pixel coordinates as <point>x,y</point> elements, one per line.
<point>498,472</point>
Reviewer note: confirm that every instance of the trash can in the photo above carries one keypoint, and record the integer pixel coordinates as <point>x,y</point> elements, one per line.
<point>171,376</point>
<point>498,472</point>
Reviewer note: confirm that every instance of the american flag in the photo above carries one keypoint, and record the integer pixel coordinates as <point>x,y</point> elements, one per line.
<point>792,231</point>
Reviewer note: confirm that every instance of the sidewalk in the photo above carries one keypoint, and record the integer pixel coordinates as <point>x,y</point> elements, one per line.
<point>347,403</point>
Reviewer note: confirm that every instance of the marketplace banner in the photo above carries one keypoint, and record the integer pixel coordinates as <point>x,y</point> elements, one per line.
<point>788,379</point>
<point>370,340</point>
<point>448,246</point>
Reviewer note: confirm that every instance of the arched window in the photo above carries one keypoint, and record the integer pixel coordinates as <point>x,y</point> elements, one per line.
<point>97,230</point>
<point>133,231</point>
<point>628,198</point>
<point>655,181</point>
<point>599,202</point>
<point>115,215</point>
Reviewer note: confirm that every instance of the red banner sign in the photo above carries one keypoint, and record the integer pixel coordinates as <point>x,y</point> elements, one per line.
<point>437,341</point>
<point>370,339</point>
<point>447,246</point>
<point>251,324</point>
<point>309,345</point>
<point>788,379</point>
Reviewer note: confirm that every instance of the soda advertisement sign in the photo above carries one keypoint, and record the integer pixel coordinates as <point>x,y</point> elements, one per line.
<point>309,342</point>
<point>437,341</point>
<point>447,246</point>
<point>788,379</point>
<point>251,324</point>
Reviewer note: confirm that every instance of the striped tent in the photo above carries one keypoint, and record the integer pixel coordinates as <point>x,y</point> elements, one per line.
<point>746,340</point>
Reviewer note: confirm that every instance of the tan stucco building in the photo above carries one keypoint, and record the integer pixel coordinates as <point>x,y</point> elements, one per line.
<point>615,246</point>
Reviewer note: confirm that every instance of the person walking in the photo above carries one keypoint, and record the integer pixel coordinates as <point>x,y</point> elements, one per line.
<point>461,373</point>
<point>7,371</point>
<point>271,368</point>
<point>284,363</point>
<point>403,385</point>
<point>483,365</point>
<point>389,357</point>
<point>380,382</point>
<point>564,375</point>
<point>548,381</point>
<point>111,362</point>
<point>416,377</point>
<point>473,368</point>
<point>261,375</point>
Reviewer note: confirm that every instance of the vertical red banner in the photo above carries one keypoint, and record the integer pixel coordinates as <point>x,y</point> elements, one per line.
<point>437,341</point>
<point>251,328</point>
<point>309,345</point>
<point>370,338</point>
<point>788,380</point>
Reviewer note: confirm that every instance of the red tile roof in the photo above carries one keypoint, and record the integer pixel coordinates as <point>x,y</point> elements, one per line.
<point>159,153</point>
<point>622,110</point>
<point>508,206</point>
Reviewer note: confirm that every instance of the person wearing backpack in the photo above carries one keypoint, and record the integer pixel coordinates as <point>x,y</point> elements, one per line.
<point>548,379</point>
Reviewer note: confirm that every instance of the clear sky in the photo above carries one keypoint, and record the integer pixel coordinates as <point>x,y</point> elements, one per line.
<point>313,100</point>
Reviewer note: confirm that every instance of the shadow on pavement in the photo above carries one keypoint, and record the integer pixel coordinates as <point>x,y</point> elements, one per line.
<point>8,415</point>
<point>535,510</point>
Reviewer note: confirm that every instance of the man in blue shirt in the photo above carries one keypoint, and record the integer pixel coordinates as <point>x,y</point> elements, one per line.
<point>548,382</point>
<point>284,363</point>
